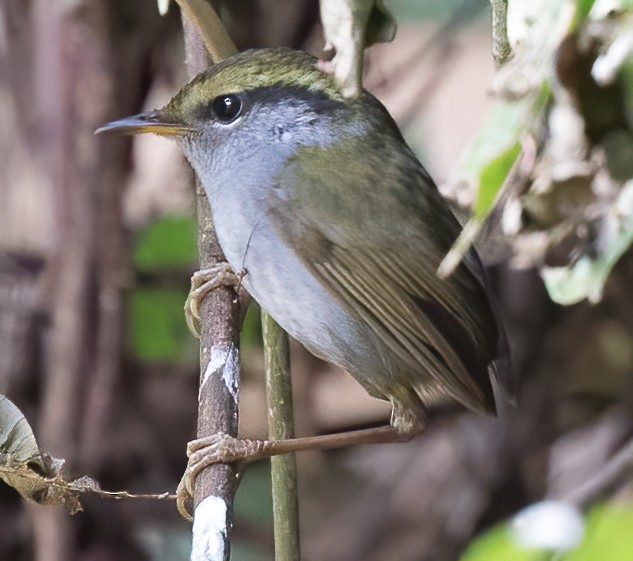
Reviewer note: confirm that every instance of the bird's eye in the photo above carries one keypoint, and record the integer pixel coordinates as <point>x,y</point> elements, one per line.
<point>226,107</point>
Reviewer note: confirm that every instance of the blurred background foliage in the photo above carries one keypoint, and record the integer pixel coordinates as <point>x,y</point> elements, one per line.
<point>97,243</point>
<point>607,537</point>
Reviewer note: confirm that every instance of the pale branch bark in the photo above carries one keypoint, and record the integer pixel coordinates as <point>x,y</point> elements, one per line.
<point>501,49</point>
<point>220,316</point>
<point>281,427</point>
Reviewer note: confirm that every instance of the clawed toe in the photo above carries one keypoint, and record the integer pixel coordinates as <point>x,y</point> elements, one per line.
<point>219,448</point>
<point>184,499</point>
<point>203,282</point>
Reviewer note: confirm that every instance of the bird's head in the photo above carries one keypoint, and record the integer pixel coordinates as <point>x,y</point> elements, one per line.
<point>269,91</point>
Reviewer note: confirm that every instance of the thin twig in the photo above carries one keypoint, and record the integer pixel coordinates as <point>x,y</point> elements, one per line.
<point>501,49</point>
<point>280,427</point>
<point>79,486</point>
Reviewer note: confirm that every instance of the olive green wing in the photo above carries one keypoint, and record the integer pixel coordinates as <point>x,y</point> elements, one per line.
<point>374,238</point>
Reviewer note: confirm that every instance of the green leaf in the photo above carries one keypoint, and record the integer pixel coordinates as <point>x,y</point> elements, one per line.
<point>158,330</point>
<point>583,7</point>
<point>167,243</point>
<point>490,155</point>
<point>504,125</point>
<point>497,545</point>
<point>491,179</point>
<point>608,537</point>
<point>487,160</point>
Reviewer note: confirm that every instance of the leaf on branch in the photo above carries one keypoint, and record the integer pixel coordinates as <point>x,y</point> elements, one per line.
<point>36,476</point>
<point>483,175</point>
<point>570,86</point>
<point>17,441</point>
<point>39,477</point>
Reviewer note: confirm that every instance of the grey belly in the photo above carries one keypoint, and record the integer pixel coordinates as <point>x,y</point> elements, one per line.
<point>283,286</point>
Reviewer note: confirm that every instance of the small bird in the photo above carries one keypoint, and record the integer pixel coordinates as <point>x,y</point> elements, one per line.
<point>338,231</point>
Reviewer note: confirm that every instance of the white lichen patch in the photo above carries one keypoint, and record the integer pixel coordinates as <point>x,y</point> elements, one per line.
<point>209,530</point>
<point>224,361</point>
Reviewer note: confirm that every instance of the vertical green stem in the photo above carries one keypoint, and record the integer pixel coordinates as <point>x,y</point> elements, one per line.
<point>281,426</point>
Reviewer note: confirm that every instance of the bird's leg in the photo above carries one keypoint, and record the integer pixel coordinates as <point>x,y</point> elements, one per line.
<point>203,282</point>
<point>222,448</point>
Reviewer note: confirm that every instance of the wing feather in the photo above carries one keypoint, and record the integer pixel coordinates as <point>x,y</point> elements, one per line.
<point>441,334</point>
<point>387,303</point>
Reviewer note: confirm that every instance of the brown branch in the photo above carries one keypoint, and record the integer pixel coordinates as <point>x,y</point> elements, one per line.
<point>220,316</point>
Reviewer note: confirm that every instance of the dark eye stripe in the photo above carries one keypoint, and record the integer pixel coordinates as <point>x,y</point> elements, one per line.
<point>226,108</point>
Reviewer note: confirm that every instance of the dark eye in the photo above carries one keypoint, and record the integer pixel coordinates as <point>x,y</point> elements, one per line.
<point>226,107</point>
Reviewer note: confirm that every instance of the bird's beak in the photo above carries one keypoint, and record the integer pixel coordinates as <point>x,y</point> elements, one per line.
<point>157,122</point>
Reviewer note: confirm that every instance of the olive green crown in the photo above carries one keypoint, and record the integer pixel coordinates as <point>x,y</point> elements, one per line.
<point>253,70</point>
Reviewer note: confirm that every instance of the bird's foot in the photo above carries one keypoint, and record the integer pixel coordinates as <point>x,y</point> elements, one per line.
<point>203,282</point>
<point>222,448</point>
<point>219,448</point>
